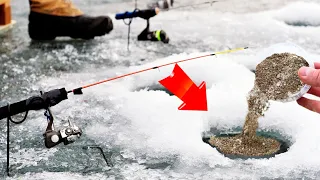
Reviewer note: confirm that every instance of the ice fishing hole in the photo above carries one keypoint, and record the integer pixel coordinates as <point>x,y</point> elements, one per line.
<point>284,141</point>
<point>154,87</point>
<point>302,24</point>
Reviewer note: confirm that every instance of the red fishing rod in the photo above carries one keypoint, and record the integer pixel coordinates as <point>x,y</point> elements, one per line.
<point>79,90</point>
<point>70,133</point>
<point>53,97</point>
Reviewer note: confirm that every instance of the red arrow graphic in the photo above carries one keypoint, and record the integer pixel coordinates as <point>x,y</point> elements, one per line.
<point>193,97</point>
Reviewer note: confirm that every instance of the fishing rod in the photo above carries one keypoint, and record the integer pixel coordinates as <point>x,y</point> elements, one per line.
<point>145,14</point>
<point>148,13</point>
<point>79,90</point>
<point>52,137</point>
<point>141,13</point>
<point>54,97</point>
<point>151,12</point>
<point>69,133</point>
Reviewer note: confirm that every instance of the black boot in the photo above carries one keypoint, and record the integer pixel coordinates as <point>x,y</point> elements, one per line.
<point>48,27</point>
<point>49,19</point>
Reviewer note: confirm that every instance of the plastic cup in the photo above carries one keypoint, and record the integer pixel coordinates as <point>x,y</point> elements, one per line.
<point>289,48</point>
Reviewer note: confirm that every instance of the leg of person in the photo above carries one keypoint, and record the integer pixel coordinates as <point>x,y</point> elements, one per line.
<point>162,4</point>
<point>171,2</point>
<point>49,19</point>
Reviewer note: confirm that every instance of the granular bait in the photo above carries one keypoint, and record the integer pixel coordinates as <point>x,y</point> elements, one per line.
<point>276,79</point>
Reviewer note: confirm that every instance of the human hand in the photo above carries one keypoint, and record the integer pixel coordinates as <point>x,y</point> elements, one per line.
<point>310,76</point>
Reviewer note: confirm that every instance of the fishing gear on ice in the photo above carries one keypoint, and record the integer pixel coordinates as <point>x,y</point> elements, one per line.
<point>153,10</point>
<point>145,14</point>
<point>52,137</point>
<point>43,101</point>
<point>67,134</point>
<point>146,34</point>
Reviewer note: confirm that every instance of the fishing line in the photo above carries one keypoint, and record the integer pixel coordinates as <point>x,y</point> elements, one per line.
<point>79,90</point>
<point>129,27</point>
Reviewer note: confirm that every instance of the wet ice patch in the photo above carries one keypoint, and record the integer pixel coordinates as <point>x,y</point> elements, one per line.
<point>60,175</point>
<point>30,157</point>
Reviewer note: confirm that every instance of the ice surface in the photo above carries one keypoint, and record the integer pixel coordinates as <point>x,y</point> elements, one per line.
<point>147,123</point>
<point>151,137</point>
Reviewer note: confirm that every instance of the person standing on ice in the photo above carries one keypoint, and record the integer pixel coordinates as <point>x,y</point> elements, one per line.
<point>311,76</point>
<point>49,19</point>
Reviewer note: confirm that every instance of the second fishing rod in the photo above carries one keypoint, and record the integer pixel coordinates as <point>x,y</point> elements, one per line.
<point>146,14</point>
<point>151,12</point>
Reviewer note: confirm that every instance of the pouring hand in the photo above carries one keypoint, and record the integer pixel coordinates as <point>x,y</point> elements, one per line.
<point>310,76</point>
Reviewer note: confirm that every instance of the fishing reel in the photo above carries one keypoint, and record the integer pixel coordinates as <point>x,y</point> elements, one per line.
<point>67,134</point>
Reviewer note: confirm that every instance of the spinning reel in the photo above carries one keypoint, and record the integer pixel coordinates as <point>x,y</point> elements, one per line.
<point>67,134</point>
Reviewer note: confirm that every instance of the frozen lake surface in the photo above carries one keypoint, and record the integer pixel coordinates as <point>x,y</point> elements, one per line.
<point>133,119</point>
